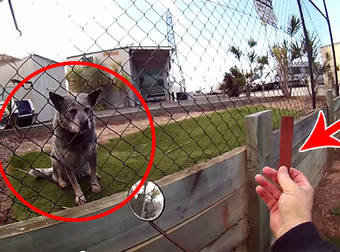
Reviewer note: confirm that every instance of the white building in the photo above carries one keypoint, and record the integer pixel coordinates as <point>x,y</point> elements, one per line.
<point>148,69</point>
<point>14,70</point>
<point>329,76</point>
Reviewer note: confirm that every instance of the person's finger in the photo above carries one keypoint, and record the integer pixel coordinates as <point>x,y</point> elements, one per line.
<point>266,197</point>
<point>272,189</point>
<point>298,177</point>
<point>270,173</point>
<point>285,181</point>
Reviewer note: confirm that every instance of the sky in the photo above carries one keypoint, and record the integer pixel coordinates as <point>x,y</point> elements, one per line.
<point>333,7</point>
<point>204,30</point>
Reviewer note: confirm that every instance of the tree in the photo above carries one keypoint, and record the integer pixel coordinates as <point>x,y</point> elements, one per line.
<point>280,53</point>
<point>233,82</point>
<point>328,72</point>
<point>285,54</point>
<point>85,79</point>
<point>318,68</point>
<point>254,65</point>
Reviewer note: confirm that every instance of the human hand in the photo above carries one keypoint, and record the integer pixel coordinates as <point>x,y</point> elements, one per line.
<point>289,205</point>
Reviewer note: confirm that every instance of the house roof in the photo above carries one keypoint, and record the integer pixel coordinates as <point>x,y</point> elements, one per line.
<point>4,59</point>
<point>42,57</point>
<point>127,48</point>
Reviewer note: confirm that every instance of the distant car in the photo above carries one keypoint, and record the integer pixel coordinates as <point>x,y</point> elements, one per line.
<point>198,92</point>
<point>23,114</point>
<point>256,87</point>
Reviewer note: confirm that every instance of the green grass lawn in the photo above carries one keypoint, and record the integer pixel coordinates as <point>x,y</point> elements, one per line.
<point>122,161</point>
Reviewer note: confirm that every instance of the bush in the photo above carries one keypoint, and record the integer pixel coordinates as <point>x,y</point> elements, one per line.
<point>86,79</point>
<point>233,82</point>
<point>100,107</point>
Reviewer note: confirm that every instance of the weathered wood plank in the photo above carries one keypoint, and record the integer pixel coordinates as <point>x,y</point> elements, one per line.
<point>330,106</point>
<point>331,117</point>
<point>318,175</point>
<point>310,163</point>
<point>211,223</point>
<point>336,116</point>
<point>337,112</point>
<point>186,192</point>
<point>259,127</point>
<point>302,129</point>
<point>337,103</point>
<point>313,165</point>
<point>230,240</point>
<point>297,156</point>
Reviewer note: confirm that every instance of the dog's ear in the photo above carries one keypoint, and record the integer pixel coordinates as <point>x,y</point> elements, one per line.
<point>93,96</point>
<point>57,101</point>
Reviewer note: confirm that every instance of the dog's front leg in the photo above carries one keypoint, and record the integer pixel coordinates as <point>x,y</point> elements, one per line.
<point>95,187</point>
<point>80,198</point>
<point>60,172</point>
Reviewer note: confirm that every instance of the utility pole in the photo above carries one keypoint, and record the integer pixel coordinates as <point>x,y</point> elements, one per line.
<point>172,42</point>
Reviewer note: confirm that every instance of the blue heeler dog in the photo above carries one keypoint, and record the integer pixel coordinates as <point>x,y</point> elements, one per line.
<point>74,152</point>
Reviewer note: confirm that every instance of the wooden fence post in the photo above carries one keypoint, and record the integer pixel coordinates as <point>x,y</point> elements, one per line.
<point>259,128</point>
<point>330,106</point>
<point>331,118</point>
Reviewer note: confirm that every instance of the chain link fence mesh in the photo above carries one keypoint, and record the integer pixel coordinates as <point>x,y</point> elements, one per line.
<point>202,66</point>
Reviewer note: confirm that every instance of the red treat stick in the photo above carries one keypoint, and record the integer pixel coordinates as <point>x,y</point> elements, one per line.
<point>287,128</point>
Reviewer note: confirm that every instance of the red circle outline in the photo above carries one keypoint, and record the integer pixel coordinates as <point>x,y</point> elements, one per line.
<point>152,154</point>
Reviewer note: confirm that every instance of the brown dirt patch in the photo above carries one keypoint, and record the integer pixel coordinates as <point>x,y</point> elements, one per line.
<point>38,141</point>
<point>326,199</point>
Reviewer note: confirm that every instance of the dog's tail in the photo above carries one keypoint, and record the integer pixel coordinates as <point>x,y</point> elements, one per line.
<point>41,172</point>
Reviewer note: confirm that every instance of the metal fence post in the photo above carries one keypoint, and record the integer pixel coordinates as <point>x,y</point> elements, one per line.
<point>259,127</point>
<point>333,51</point>
<point>309,54</point>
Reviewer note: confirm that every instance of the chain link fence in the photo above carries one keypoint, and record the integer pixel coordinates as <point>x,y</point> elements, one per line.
<point>201,66</point>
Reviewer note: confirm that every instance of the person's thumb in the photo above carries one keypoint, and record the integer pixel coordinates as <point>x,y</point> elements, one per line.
<point>284,179</point>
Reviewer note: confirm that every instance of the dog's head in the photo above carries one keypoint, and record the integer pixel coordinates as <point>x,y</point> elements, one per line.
<point>74,114</point>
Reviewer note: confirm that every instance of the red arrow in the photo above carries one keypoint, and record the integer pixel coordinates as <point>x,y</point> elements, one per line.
<point>322,136</point>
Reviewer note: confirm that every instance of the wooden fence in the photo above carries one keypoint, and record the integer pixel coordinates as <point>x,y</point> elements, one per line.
<point>209,207</point>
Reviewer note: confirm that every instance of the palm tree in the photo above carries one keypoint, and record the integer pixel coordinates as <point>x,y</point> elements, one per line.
<point>255,67</point>
<point>285,54</point>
